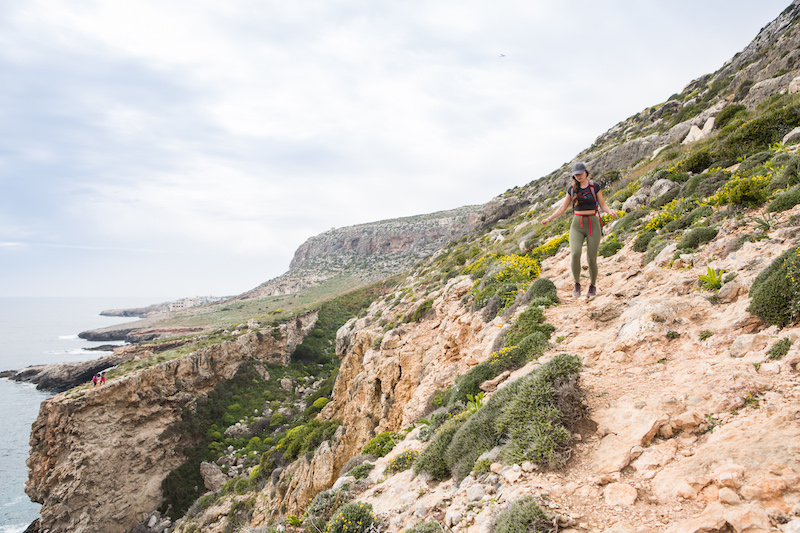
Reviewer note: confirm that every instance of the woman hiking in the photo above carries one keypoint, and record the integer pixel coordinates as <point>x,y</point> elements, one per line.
<point>585,197</point>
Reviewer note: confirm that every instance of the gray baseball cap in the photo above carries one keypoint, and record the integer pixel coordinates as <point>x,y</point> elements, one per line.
<point>578,168</point>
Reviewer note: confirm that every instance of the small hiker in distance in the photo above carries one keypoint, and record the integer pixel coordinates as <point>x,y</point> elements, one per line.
<point>586,200</point>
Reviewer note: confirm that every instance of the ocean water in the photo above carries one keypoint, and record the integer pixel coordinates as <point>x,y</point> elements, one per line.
<point>38,331</point>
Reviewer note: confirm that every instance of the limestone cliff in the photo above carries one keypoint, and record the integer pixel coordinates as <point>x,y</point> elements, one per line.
<point>99,455</point>
<point>370,251</point>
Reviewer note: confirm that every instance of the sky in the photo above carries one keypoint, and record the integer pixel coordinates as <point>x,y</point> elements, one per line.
<point>173,148</point>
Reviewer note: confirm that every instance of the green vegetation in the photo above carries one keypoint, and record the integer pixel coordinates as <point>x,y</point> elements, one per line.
<point>429,526</point>
<point>382,444</point>
<point>775,293</point>
<point>320,344</point>
<point>402,461</point>
<point>696,238</point>
<point>779,349</point>
<point>354,517</point>
<point>322,507</point>
<point>361,471</point>
<point>529,415</point>
<point>610,246</point>
<point>712,279</point>
<point>785,201</point>
<point>522,516</point>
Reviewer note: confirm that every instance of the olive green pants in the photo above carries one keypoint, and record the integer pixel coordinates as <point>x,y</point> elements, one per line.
<point>577,235</point>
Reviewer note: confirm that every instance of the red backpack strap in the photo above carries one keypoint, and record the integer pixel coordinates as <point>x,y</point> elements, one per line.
<point>596,205</point>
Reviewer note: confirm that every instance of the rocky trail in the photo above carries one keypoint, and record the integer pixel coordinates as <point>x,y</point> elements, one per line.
<point>692,428</point>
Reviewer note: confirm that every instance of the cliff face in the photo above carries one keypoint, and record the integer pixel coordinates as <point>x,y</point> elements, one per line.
<point>99,455</point>
<point>370,251</point>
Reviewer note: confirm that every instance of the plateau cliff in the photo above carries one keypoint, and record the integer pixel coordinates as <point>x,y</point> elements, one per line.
<point>99,455</point>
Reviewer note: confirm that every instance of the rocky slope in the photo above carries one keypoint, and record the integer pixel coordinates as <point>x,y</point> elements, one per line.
<point>99,455</point>
<point>688,433</point>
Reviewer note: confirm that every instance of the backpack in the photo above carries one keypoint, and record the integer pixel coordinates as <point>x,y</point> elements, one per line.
<point>596,208</point>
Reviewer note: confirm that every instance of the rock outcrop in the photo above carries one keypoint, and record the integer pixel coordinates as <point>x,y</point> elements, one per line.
<point>370,251</point>
<point>99,455</point>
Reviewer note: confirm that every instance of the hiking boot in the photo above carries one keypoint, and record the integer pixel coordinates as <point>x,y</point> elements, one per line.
<point>576,292</point>
<point>592,292</point>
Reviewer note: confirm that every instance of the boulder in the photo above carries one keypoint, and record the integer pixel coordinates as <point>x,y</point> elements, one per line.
<point>794,85</point>
<point>793,137</point>
<point>213,478</point>
<point>619,494</point>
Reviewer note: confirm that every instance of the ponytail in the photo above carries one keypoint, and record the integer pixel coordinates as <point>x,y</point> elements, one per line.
<point>575,186</point>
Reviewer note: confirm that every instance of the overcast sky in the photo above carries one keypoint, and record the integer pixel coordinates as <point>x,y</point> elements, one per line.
<point>186,147</point>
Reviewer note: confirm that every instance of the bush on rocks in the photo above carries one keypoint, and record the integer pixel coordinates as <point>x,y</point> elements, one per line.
<point>785,201</point>
<point>382,444</point>
<point>322,507</point>
<point>775,293</point>
<point>521,516</point>
<point>697,237</point>
<point>355,517</point>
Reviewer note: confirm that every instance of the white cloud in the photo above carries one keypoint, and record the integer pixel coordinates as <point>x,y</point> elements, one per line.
<point>236,130</point>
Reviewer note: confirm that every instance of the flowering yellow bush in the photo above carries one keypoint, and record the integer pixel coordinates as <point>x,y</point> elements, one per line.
<point>751,192</point>
<point>402,461</point>
<point>550,247</point>
<point>355,517</point>
<point>518,268</point>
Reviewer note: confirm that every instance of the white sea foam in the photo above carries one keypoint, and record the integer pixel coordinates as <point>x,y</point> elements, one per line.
<point>14,528</point>
<point>69,337</point>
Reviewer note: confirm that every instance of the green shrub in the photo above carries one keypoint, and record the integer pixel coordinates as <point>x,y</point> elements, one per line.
<point>239,515</point>
<point>361,471</point>
<point>420,311</point>
<point>529,321</point>
<point>631,220</point>
<point>708,185</point>
<point>382,444</point>
<point>402,461</point>
<point>705,334</point>
<point>431,460</point>
<point>306,437</point>
<point>534,419</point>
<point>528,414</point>
<point>755,160</point>
<point>543,288</point>
<point>643,240</point>
<point>354,517</point>
<point>322,507</point>
<point>697,237</point>
<point>762,131</point>
<point>523,516</point>
<point>319,403</point>
<point>727,113</point>
<point>431,526</point>
<point>697,161</point>
<point>482,466</point>
<point>750,192</point>
<point>775,293</point>
<point>785,201</point>
<point>666,198</point>
<point>779,349</point>
<point>610,246</point>
<point>508,358</point>
<point>791,172</point>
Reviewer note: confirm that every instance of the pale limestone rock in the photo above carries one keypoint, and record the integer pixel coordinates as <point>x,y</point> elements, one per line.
<point>793,526</point>
<point>793,137</point>
<point>728,496</point>
<point>731,291</point>
<point>619,494</point>
<point>475,492</point>
<point>655,457</point>
<point>625,427</point>
<point>794,85</point>
<point>748,518</point>
<point>711,519</point>
<point>512,476</point>
<point>747,343</point>
<point>213,478</point>
<point>287,384</point>
<point>729,475</point>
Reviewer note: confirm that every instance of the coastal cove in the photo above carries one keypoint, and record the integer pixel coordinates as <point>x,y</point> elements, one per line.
<point>39,331</point>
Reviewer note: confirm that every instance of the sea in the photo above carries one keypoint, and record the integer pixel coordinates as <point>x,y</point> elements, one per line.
<point>39,331</point>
